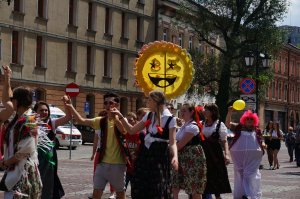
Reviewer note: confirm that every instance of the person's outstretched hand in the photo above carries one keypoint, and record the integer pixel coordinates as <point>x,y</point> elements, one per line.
<point>7,71</point>
<point>66,100</point>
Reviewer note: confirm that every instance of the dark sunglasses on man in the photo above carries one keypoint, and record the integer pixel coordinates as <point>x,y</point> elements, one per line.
<point>109,102</point>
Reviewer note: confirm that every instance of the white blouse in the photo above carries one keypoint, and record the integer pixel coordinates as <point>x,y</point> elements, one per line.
<point>209,130</point>
<point>164,117</point>
<point>188,128</point>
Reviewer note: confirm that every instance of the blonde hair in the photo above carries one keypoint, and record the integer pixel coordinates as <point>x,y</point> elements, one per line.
<point>160,99</point>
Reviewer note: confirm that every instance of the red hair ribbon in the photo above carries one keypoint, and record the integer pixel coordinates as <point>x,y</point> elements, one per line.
<point>159,129</point>
<point>147,123</point>
<point>199,109</point>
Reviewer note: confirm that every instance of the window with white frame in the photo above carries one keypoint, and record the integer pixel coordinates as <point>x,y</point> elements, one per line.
<point>40,55</point>
<point>180,39</point>
<point>42,10</point>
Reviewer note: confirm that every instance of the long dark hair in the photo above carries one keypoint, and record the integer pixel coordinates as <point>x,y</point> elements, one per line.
<point>41,103</point>
<point>214,109</point>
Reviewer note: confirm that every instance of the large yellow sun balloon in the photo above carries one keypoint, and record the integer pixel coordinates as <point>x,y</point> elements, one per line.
<point>164,66</point>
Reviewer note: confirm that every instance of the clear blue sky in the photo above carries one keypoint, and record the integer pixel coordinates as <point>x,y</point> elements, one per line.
<point>293,16</point>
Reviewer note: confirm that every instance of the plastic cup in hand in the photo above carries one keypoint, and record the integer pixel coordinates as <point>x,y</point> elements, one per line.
<point>239,105</point>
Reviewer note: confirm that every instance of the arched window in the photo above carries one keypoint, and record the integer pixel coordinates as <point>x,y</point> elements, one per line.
<point>124,105</point>
<point>89,106</point>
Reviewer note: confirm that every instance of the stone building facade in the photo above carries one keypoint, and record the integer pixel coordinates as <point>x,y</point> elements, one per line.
<point>93,43</point>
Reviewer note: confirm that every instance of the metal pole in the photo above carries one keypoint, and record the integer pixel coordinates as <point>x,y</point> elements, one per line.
<point>256,82</point>
<point>70,148</point>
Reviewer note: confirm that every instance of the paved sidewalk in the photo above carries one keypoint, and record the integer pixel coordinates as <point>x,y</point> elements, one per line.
<point>76,176</point>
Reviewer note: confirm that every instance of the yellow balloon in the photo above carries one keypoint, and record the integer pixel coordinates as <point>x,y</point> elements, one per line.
<point>164,66</point>
<point>239,105</point>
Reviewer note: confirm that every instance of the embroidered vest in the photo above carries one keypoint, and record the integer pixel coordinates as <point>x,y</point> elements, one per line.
<point>165,134</point>
<point>120,139</point>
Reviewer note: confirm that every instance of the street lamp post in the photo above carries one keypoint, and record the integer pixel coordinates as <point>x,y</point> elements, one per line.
<point>258,57</point>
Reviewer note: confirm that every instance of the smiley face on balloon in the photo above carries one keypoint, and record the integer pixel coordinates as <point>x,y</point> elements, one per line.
<point>164,66</point>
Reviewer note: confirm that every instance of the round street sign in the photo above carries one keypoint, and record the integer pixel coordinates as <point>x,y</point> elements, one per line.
<point>247,85</point>
<point>72,90</point>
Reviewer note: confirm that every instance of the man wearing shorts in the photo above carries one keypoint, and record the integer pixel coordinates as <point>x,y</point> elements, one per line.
<point>111,165</point>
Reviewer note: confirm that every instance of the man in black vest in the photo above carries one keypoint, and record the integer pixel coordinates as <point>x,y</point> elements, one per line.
<point>111,163</point>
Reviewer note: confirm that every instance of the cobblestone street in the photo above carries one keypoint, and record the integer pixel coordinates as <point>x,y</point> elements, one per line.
<point>76,176</point>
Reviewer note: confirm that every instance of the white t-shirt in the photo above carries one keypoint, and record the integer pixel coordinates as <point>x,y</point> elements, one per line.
<point>164,117</point>
<point>188,127</point>
<point>209,130</point>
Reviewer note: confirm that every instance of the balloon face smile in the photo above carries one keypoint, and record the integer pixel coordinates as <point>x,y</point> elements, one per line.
<point>162,80</point>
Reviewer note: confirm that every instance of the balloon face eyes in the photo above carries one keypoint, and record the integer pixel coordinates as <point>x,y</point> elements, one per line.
<point>163,76</point>
<point>164,66</point>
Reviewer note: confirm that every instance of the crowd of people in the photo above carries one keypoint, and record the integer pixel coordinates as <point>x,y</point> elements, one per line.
<point>158,153</point>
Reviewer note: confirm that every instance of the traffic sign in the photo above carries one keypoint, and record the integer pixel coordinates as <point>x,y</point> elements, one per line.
<point>72,90</point>
<point>87,108</point>
<point>249,98</point>
<point>247,85</point>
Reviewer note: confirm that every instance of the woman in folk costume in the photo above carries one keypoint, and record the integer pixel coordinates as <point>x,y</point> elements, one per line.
<point>21,178</point>
<point>191,175</point>
<point>215,133</point>
<point>152,170</point>
<point>246,152</point>
<point>52,187</point>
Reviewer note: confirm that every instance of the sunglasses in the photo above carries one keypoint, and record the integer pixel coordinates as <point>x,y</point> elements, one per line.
<point>109,102</point>
<point>249,118</point>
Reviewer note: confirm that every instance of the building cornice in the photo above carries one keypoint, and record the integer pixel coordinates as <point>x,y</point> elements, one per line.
<point>82,88</point>
<point>65,38</point>
<point>105,3</point>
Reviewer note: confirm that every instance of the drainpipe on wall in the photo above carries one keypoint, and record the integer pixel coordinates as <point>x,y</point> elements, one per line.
<point>156,10</point>
<point>288,90</point>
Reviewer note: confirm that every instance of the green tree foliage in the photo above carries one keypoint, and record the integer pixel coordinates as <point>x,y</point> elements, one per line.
<point>242,25</point>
